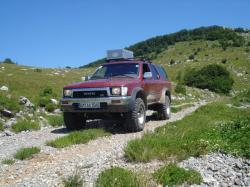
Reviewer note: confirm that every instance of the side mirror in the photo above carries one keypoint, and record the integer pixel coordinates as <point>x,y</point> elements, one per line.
<point>147,75</point>
<point>86,78</point>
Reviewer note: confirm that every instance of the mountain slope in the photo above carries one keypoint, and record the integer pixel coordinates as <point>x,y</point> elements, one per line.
<point>151,47</point>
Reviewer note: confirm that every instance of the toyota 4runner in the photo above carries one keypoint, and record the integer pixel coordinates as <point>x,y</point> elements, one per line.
<point>122,88</point>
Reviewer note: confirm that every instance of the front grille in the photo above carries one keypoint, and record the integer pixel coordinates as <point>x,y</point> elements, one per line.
<point>90,94</point>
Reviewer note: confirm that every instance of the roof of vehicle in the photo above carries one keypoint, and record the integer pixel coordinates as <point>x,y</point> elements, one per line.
<point>127,61</point>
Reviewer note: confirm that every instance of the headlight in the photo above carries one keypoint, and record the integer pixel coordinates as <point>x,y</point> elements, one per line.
<point>116,91</point>
<point>119,91</point>
<point>67,93</point>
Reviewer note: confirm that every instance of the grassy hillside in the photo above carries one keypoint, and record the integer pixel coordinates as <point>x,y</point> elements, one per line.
<point>29,82</point>
<point>235,59</point>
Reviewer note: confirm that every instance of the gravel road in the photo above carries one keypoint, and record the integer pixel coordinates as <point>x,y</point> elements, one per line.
<point>48,167</point>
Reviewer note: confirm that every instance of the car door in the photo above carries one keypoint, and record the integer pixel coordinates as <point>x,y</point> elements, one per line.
<point>148,85</point>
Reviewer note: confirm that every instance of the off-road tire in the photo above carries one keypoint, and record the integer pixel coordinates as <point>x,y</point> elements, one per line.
<point>164,109</point>
<point>135,119</point>
<point>74,121</point>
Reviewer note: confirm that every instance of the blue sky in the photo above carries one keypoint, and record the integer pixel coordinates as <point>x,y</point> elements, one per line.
<point>59,33</point>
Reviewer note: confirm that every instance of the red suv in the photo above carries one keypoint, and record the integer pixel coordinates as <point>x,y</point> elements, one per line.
<point>122,88</point>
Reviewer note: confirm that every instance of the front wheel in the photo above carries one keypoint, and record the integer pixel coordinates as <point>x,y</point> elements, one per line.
<point>164,110</point>
<point>135,119</point>
<point>74,121</point>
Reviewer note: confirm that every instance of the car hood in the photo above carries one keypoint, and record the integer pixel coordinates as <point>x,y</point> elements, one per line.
<point>103,83</point>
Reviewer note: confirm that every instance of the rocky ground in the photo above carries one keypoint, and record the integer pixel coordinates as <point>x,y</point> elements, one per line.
<point>51,165</point>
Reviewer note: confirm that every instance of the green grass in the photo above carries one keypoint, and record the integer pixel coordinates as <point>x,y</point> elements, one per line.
<point>25,153</point>
<point>73,181</point>
<point>9,103</point>
<point>25,125</point>
<point>8,161</point>
<point>184,138</point>
<point>242,98</point>
<point>172,175</point>
<point>55,120</point>
<point>232,137</point>
<point>1,126</point>
<point>117,177</point>
<point>26,81</point>
<point>77,137</point>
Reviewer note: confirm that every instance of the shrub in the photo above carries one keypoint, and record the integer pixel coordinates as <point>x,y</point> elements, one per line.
<point>25,153</point>
<point>47,92</point>
<point>24,125</point>
<point>8,161</point>
<point>213,77</point>
<point>180,89</point>
<point>50,107</point>
<point>8,61</point>
<point>73,181</point>
<point>172,175</point>
<point>77,137</point>
<point>8,103</point>
<point>191,57</point>
<point>223,61</point>
<point>117,177</point>
<point>38,70</point>
<point>172,62</point>
<point>43,101</point>
<point>55,120</point>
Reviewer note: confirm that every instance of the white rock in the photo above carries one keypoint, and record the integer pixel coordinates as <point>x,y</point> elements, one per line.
<point>4,88</point>
<point>57,111</point>
<point>10,122</point>
<point>26,102</point>
<point>54,101</point>
<point>239,74</point>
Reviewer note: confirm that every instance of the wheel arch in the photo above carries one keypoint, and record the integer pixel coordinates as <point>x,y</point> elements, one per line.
<point>139,93</point>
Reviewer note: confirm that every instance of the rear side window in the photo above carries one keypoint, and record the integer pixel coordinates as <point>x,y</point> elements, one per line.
<point>154,72</point>
<point>162,72</point>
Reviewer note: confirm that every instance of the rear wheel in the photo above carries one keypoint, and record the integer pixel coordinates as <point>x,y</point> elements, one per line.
<point>135,119</point>
<point>74,121</point>
<point>164,110</point>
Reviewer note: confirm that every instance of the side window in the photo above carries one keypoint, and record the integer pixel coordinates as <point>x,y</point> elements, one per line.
<point>156,71</point>
<point>162,72</point>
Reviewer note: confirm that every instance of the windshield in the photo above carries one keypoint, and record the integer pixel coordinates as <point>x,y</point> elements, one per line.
<point>116,70</point>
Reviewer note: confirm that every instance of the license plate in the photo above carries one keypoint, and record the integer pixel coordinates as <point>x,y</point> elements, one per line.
<point>89,105</point>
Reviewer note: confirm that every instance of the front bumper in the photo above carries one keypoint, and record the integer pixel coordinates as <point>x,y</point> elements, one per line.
<point>107,104</point>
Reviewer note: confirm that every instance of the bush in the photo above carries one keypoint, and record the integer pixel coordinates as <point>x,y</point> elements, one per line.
<point>191,57</point>
<point>180,89</point>
<point>55,120</point>
<point>47,92</point>
<point>25,125</point>
<point>223,61</point>
<point>38,70</point>
<point>213,77</point>
<point>50,107</point>
<point>172,62</point>
<point>172,175</point>
<point>117,177</point>
<point>43,101</point>
<point>8,103</point>
<point>8,61</point>
<point>25,153</point>
<point>73,181</point>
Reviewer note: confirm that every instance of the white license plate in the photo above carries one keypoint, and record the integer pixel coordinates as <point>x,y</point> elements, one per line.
<point>89,105</point>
